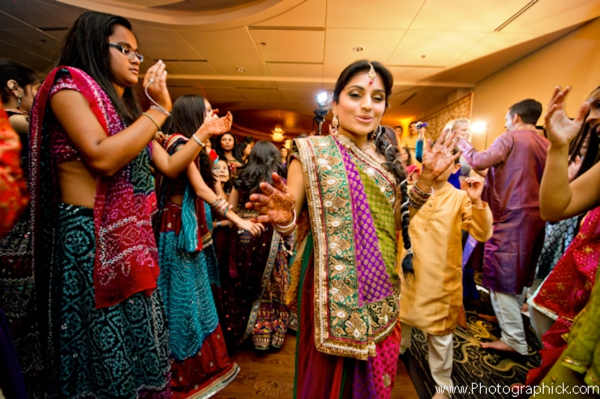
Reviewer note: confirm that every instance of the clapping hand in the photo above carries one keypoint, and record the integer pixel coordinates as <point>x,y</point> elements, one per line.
<point>155,83</point>
<point>275,205</point>
<point>560,129</point>
<point>215,126</point>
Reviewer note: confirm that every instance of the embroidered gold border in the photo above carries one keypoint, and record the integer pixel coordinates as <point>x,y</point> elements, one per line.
<point>275,240</point>
<point>218,385</point>
<point>314,198</point>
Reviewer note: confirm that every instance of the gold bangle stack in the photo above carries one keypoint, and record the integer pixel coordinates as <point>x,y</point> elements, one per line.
<point>417,198</point>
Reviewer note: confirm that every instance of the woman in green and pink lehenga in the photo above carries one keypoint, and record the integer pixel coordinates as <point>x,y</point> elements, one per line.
<point>354,186</point>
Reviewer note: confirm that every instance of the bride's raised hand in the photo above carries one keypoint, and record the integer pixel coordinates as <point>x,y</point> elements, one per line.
<point>275,204</point>
<point>560,129</point>
<point>438,157</point>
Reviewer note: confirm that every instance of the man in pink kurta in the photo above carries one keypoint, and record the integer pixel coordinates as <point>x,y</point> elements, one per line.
<point>516,161</point>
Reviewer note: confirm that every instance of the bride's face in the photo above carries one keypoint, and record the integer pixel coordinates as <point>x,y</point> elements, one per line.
<point>361,105</point>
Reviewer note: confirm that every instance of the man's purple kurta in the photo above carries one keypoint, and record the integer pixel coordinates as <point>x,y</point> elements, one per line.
<point>516,161</point>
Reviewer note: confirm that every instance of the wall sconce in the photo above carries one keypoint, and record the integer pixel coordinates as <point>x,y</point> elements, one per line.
<point>278,134</point>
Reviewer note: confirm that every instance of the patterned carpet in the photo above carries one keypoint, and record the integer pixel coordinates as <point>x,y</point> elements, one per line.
<point>491,372</point>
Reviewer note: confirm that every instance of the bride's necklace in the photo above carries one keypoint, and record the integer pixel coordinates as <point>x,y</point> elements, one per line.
<point>367,146</point>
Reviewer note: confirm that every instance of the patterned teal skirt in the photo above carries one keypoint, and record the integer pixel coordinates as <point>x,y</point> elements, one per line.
<point>116,352</point>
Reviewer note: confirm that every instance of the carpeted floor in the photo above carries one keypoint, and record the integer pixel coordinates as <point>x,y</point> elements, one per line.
<point>490,372</point>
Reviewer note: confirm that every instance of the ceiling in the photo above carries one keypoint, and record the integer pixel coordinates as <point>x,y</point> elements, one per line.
<point>265,60</point>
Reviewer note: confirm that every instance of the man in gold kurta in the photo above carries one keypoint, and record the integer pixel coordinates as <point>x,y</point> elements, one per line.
<point>432,299</point>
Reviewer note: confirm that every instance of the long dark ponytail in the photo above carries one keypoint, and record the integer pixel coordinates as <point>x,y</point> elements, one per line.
<point>383,144</point>
<point>385,139</point>
<point>188,115</point>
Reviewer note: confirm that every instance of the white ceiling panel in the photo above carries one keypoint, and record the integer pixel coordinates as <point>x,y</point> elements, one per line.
<point>227,50</point>
<point>32,41</point>
<point>190,68</point>
<point>295,95</point>
<point>288,85</point>
<point>289,45</point>
<point>302,104</point>
<point>439,48</point>
<point>551,15</point>
<point>378,45</point>
<point>180,91</point>
<point>295,70</point>
<point>466,15</point>
<point>293,53</point>
<point>165,44</point>
<point>260,94</point>
<point>262,105</point>
<point>309,13</point>
<point>361,14</point>
<point>492,43</point>
<point>35,61</point>
<point>408,74</point>
<point>45,14</point>
<point>8,23</point>
<point>222,93</point>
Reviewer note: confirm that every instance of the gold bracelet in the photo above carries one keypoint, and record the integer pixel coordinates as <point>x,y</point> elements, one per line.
<point>153,120</point>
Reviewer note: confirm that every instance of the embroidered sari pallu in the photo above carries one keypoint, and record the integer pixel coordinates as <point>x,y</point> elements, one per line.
<point>348,335</point>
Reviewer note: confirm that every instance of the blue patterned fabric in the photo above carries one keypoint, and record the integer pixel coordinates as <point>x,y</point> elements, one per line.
<point>119,351</point>
<point>188,237</point>
<point>184,281</point>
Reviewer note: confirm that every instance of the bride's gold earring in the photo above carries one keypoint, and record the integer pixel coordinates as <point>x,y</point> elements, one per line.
<point>335,123</point>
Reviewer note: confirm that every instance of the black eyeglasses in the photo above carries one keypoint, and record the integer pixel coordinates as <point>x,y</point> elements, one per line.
<point>128,52</point>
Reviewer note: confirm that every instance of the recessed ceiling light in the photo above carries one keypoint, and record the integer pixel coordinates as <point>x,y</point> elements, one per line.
<point>358,49</point>
<point>240,69</point>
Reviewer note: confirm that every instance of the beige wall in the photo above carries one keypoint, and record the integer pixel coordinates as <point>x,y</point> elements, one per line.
<point>572,60</point>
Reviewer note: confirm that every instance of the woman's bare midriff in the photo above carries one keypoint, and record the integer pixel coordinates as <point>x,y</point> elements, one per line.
<point>77,185</point>
<point>176,199</point>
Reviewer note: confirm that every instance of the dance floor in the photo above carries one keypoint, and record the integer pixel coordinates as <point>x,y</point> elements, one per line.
<point>490,371</point>
<point>270,374</point>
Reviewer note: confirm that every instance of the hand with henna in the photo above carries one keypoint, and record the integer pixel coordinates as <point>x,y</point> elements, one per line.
<point>438,157</point>
<point>275,205</point>
<point>215,126</point>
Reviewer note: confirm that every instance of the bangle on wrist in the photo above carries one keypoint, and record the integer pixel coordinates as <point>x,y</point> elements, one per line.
<point>153,120</point>
<point>161,110</point>
<point>287,228</point>
<point>197,140</point>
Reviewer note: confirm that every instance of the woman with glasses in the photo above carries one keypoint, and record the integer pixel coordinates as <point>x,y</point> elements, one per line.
<point>92,198</point>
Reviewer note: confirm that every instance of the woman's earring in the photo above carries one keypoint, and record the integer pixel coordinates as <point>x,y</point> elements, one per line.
<point>335,123</point>
<point>19,101</point>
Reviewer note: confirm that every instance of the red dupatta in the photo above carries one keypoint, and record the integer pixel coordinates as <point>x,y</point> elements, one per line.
<point>126,258</point>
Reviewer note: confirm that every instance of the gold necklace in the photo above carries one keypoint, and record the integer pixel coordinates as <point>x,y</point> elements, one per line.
<point>366,147</point>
